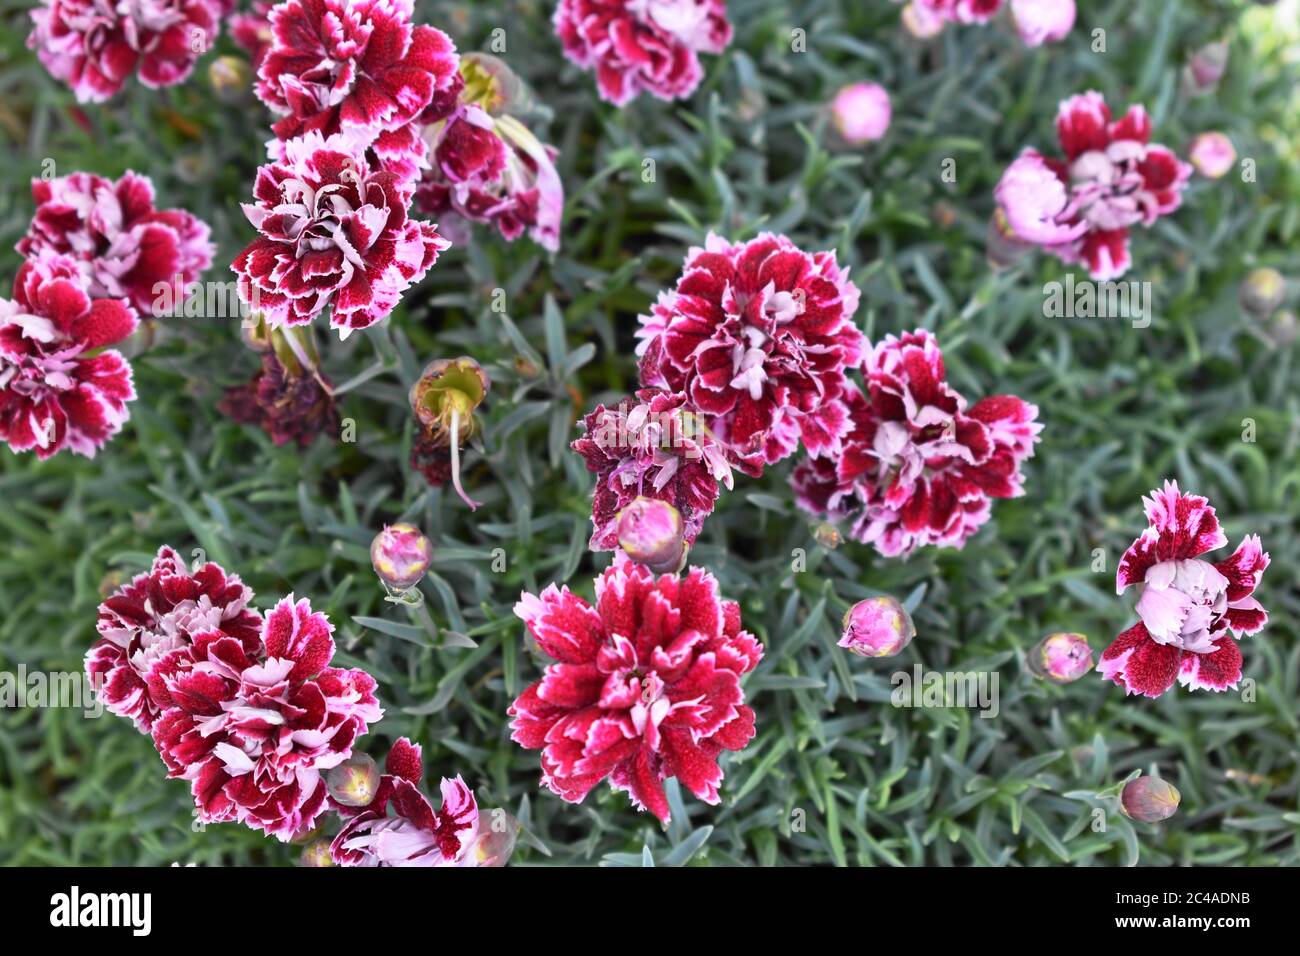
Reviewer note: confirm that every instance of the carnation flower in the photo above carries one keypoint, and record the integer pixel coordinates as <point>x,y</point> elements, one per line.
<point>251,30</point>
<point>636,46</point>
<point>59,388</point>
<point>289,404</point>
<point>917,466</point>
<point>416,834</point>
<point>354,66</point>
<point>861,112</point>
<point>124,246</point>
<point>758,335</point>
<point>148,628</point>
<point>254,733</point>
<point>487,166</point>
<point>95,45</point>
<point>960,11</point>
<point>646,685</point>
<point>1190,608</point>
<point>334,233</point>
<point>1081,208</point>
<point>1043,21</point>
<point>655,446</point>
<point>1212,154</point>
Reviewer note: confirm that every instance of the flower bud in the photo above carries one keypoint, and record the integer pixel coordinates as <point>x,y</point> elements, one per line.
<point>494,843</point>
<point>827,535</point>
<point>316,854</point>
<point>1060,658</point>
<point>1043,21</point>
<point>921,22</point>
<point>1262,291</point>
<point>354,782</point>
<point>444,399</point>
<point>230,78</point>
<point>1206,68</point>
<point>1212,154</point>
<point>1149,800</point>
<point>1282,328</point>
<point>650,533</point>
<point>400,555</point>
<point>877,627</point>
<point>861,112</point>
<point>1002,248</point>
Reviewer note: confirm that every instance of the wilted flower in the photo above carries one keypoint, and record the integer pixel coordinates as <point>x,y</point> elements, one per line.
<point>1043,21</point>
<point>1212,154</point>
<point>655,446</point>
<point>646,685</point>
<point>358,67</point>
<point>1080,209</point>
<point>758,335</point>
<point>288,402</point>
<point>334,233</point>
<point>650,533</point>
<point>918,467</point>
<point>1262,291</point>
<point>354,782</point>
<point>1191,609</point>
<point>416,834</point>
<point>59,388</point>
<point>1206,68</point>
<point>877,627</point>
<point>637,46</point>
<point>147,630</point>
<point>1060,658</point>
<point>488,166</point>
<point>124,247</point>
<point>444,399</point>
<point>1149,799</point>
<point>95,45</point>
<point>254,733</point>
<point>861,112</point>
<point>400,555</point>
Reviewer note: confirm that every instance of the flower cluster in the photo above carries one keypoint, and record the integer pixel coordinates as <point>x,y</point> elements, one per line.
<point>917,466</point>
<point>758,335</point>
<point>245,708</point>
<point>1081,208</point>
<point>637,46</point>
<point>59,387</point>
<point>349,82</point>
<point>95,45</point>
<point>654,446</point>
<point>1190,608</point>
<point>487,166</point>
<point>646,685</point>
<point>124,246</point>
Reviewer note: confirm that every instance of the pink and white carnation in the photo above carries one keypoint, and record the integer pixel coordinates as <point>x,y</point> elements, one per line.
<point>492,169</point>
<point>960,11</point>
<point>358,67</point>
<point>251,30</point>
<point>415,834</point>
<point>147,630</point>
<point>654,446</point>
<point>918,467</point>
<point>253,733</point>
<point>95,45</point>
<point>1082,208</point>
<point>1191,609</point>
<point>59,386</point>
<point>758,335</point>
<point>646,685</point>
<point>637,46</point>
<point>1043,21</point>
<point>334,233</point>
<point>125,247</point>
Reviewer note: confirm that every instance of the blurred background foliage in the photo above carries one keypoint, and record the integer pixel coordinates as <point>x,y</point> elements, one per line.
<point>835,774</point>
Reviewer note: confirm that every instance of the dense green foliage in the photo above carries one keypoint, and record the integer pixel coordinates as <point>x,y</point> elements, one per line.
<point>836,774</point>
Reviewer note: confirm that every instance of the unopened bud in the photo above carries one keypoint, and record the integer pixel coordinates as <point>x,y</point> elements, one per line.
<point>861,112</point>
<point>354,782</point>
<point>650,533</point>
<point>1149,800</point>
<point>1060,658</point>
<point>316,854</point>
<point>494,843</point>
<point>877,627</point>
<point>1213,155</point>
<point>1262,291</point>
<point>827,535</point>
<point>1206,68</point>
<point>922,22</point>
<point>401,555</point>
<point>230,78</point>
